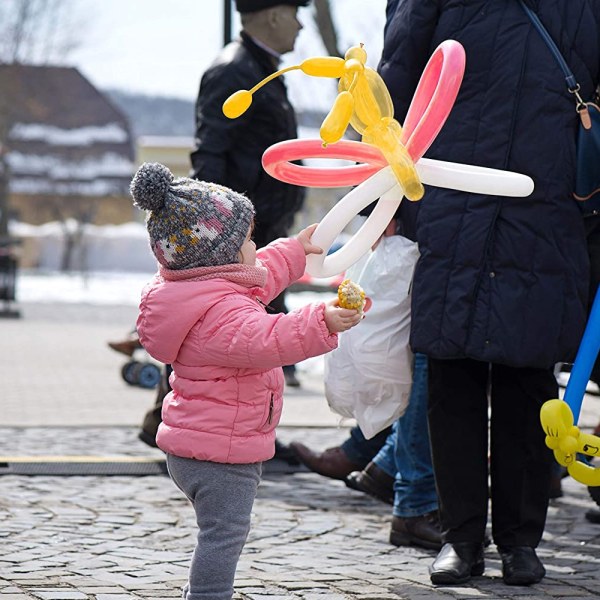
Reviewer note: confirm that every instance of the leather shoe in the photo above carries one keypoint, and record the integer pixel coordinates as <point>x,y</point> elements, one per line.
<point>520,565</point>
<point>457,562</point>
<point>424,531</point>
<point>127,347</point>
<point>284,453</point>
<point>332,462</point>
<point>373,481</point>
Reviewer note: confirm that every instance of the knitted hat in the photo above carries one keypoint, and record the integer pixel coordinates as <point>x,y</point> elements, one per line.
<point>191,223</point>
<point>246,6</point>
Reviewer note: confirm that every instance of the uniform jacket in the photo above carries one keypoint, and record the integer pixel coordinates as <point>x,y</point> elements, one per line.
<point>229,151</point>
<point>500,279</point>
<point>210,323</point>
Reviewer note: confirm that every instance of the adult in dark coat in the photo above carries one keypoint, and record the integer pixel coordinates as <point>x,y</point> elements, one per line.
<point>229,151</point>
<point>500,290</point>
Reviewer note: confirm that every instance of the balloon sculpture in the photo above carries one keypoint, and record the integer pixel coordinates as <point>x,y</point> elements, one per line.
<point>391,164</point>
<point>559,416</point>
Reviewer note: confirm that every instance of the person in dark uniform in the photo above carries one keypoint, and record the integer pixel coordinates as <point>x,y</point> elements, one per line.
<point>229,151</point>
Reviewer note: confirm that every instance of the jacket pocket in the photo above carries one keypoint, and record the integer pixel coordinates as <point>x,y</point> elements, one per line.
<point>272,414</point>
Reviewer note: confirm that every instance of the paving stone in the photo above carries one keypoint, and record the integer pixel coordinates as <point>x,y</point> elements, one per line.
<point>122,538</point>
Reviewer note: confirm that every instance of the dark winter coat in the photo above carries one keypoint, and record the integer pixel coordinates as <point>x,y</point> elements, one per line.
<point>229,151</point>
<point>502,280</point>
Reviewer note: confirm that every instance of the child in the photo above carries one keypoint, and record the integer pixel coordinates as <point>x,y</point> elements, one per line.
<point>204,313</point>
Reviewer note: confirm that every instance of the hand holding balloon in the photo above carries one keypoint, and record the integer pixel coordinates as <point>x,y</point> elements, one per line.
<point>305,238</point>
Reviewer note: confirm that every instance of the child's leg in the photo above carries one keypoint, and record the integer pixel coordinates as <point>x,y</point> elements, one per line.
<point>222,496</point>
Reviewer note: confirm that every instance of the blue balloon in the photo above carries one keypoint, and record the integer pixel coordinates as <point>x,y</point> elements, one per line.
<point>584,362</point>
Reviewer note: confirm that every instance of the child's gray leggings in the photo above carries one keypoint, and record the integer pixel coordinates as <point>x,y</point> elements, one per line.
<point>222,496</point>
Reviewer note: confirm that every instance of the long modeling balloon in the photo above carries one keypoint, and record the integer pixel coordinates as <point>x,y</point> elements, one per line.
<point>390,157</point>
<point>363,101</point>
<point>382,184</point>
<point>584,361</point>
<point>559,417</point>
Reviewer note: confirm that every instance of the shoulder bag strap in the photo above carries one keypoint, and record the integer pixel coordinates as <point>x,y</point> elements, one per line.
<point>572,84</point>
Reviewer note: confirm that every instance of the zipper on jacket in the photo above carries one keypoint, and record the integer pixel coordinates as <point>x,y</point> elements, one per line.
<point>270,410</point>
<point>267,307</point>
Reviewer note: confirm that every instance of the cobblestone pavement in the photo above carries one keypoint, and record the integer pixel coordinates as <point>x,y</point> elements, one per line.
<point>118,538</point>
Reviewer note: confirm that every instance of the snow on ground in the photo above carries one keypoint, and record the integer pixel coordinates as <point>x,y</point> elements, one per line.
<point>114,289</point>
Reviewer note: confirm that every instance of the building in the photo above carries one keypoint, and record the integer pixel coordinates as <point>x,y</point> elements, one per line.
<point>68,149</point>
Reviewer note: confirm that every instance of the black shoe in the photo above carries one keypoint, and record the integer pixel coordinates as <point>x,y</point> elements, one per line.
<point>457,563</point>
<point>283,452</point>
<point>147,438</point>
<point>520,565</point>
<point>424,531</point>
<point>373,481</point>
<point>593,516</point>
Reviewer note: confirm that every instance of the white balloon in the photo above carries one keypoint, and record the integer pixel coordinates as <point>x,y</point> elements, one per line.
<point>469,178</point>
<point>384,185</point>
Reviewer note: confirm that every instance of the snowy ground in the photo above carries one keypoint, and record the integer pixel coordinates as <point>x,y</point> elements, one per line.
<point>121,289</point>
<point>104,288</point>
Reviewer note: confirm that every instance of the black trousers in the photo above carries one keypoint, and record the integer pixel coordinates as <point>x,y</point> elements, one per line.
<point>520,463</point>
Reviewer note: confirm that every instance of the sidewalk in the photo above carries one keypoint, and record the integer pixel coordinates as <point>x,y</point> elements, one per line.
<point>119,538</point>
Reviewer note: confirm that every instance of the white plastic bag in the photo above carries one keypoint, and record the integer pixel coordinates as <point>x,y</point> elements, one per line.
<point>369,376</point>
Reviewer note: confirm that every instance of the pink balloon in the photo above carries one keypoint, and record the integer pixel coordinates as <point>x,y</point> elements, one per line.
<point>428,111</point>
<point>276,163</point>
<point>434,98</point>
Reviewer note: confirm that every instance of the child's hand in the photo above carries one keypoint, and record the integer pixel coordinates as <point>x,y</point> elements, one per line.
<point>340,319</point>
<point>304,238</point>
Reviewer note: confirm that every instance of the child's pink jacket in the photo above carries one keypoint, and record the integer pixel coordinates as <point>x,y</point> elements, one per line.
<point>226,352</point>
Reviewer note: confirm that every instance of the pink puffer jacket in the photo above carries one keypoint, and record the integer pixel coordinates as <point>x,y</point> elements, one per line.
<point>226,350</point>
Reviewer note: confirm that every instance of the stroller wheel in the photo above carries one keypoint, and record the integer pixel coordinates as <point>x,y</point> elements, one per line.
<point>128,372</point>
<point>147,375</point>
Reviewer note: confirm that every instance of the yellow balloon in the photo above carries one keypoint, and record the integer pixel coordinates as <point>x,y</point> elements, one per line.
<point>386,136</point>
<point>372,100</point>
<point>237,104</point>
<point>358,53</point>
<point>363,101</point>
<point>584,473</point>
<point>323,66</point>
<point>336,122</point>
<point>566,440</point>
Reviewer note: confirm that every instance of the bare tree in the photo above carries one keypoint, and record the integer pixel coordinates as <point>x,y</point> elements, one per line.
<point>37,31</point>
<point>326,27</point>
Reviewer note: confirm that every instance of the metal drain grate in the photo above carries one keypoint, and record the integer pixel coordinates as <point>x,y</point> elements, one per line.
<point>81,465</point>
<point>107,466</point>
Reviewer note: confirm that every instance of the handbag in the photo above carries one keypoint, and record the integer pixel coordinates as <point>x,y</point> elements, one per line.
<point>368,377</point>
<point>587,175</point>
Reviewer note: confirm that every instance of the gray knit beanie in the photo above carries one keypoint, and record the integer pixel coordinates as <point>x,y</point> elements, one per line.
<point>191,223</point>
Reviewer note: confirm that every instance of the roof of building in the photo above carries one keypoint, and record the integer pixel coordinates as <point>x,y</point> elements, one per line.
<point>65,138</point>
